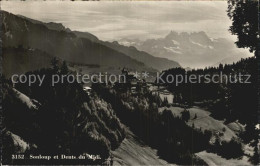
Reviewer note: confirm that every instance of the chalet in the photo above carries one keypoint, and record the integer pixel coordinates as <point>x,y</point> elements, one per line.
<point>132,83</point>
<point>87,89</point>
<point>130,77</point>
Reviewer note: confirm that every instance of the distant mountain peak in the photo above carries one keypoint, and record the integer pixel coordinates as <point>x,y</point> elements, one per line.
<point>115,42</point>
<point>172,34</point>
<point>190,49</point>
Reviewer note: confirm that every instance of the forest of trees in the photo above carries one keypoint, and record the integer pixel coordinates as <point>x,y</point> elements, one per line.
<point>66,120</point>
<point>226,101</point>
<point>170,135</point>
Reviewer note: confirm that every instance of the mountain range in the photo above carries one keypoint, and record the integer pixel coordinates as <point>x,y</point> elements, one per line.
<point>77,47</point>
<point>195,50</point>
<point>36,38</point>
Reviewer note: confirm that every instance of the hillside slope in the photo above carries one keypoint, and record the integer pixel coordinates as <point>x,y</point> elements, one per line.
<point>133,151</point>
<point>149,60</point>
<point>21,60</point>
<point>204,121</point>
<point>141,56</point>
<point>213,159</point>
<point>94,129</point>
<point>18,31</point>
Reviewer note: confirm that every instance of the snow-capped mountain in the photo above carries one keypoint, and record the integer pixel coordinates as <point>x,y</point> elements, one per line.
<point>194,50</point>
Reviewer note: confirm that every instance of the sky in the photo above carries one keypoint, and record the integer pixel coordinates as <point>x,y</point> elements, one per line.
<point>130,19</point>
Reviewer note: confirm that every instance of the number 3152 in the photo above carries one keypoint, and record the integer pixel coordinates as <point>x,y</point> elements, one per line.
<point>17,156</point>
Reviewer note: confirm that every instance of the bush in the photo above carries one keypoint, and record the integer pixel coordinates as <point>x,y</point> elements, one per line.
<point>228,150</point>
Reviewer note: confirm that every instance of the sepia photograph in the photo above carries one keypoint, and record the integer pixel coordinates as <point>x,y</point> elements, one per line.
<point>130,82</point>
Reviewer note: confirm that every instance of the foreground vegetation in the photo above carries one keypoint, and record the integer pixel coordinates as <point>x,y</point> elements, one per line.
<point>60,119</point>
